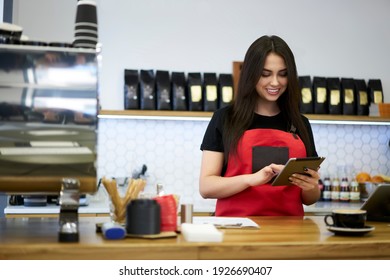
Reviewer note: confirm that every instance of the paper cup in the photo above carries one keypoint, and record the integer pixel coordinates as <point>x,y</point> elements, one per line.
<point>86,25</point>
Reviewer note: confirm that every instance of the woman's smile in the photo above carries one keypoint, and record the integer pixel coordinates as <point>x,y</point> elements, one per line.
<point>273,80</point>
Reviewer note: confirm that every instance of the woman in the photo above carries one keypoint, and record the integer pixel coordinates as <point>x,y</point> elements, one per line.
<point>249,141</point>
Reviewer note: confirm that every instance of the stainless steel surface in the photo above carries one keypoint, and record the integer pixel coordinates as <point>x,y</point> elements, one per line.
<point>69,195</point>
<point>69,204</point>
<point>48,117</point>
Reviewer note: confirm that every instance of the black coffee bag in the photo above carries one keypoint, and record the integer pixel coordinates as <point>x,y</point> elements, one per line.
<point>132,92</point>
<point>163,90</point>
<point>375,91</point>
<point>320,95</point>
<point>210,92</point>
<point>194,85</point>
<point>335,106</point>
<point>306,101</point>
<point>179,93</point>
<point>362,98</point>
<point>147,90</point>
<point>225,90</point>
<point>348,96</point>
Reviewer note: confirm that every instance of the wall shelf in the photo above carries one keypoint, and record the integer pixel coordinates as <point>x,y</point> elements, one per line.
<point>205,116</point>
<point>155,115</point>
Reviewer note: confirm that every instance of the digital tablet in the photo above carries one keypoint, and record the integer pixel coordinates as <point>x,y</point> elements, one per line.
<point>378,204</point>
<point>296,165</point>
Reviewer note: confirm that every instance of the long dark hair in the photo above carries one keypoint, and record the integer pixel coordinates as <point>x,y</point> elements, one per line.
<point>240,114</point>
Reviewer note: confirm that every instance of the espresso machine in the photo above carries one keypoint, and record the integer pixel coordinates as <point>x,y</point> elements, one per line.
<point>48,125</point>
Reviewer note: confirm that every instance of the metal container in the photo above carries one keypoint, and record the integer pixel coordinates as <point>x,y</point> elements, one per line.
<point>186,213</point>
<point>48,118</point>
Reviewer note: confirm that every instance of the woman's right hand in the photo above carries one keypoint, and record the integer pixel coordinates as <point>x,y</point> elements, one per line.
<point>265,174</point>
<point>213,185</point>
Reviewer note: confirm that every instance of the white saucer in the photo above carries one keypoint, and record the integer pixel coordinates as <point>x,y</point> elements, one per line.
<point>350,231</point>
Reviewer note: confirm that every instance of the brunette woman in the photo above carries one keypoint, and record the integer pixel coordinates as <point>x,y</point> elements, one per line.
<point>248,142</point>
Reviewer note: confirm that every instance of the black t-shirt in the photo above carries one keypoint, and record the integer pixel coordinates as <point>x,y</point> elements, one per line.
<point>212,140</point>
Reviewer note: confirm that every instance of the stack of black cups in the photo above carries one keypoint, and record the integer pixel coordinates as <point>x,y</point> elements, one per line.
<point>86,27</point>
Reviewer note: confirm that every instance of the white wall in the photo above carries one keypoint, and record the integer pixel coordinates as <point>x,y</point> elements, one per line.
<point>46,20</point>
<point>348,38</point>
<point>1,10</point>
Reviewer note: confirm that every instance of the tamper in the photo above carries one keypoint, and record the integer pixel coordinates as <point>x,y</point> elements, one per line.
<point>69,200</point>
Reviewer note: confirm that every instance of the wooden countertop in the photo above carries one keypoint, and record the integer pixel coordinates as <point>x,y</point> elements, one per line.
<point>101,207</point>
<point>277,238</point>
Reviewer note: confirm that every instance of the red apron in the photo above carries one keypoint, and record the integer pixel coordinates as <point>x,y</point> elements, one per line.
<point>263,200</point>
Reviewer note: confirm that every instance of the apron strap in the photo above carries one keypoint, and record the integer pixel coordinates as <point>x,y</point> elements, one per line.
<point>293,130</point>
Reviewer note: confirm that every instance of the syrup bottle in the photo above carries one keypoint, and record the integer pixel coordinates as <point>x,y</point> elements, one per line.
<point>344,190</point>
<point>335,189</point>
<point>326,194</point>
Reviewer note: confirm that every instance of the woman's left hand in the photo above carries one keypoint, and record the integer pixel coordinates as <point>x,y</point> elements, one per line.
<point>306,182</point>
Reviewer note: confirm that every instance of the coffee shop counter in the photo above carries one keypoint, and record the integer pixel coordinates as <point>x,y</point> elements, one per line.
<point>325,207</point>
<point>276,238</point>
<point>100,207</point>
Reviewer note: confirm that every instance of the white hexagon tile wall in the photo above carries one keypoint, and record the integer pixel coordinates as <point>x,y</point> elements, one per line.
<point>171,151</point>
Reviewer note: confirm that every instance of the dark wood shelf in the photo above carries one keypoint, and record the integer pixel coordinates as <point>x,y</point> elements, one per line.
<point>155,113</point>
